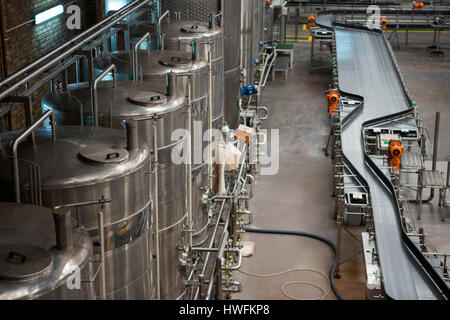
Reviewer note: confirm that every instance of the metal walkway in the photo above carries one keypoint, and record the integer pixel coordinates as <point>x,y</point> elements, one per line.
<point>366,69</point>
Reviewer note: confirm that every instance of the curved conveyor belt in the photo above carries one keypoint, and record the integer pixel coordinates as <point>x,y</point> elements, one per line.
<point>366,68</point>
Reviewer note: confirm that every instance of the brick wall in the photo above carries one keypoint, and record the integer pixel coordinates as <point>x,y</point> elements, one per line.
<point>28,42</point>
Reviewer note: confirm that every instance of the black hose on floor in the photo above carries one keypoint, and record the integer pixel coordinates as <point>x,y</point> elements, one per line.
<point>309,235</point>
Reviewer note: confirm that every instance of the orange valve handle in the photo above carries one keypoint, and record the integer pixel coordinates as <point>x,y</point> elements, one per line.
<point>311,20</point>
<point>383,22</point>
<point>395,152</point>
<point>333,99</point>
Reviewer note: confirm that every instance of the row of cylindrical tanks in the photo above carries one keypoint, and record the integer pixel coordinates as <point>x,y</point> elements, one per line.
<point>90,166</point>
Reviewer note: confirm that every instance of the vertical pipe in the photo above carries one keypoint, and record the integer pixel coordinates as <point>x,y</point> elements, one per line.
<point>219,278</point>
<point>101,235</point>
<point>171,84</point>
<point>155,150</point>
<point>448,172</point>
<point>435,150</point>
<point>3,46</point>
<point>132,136</point>
<point>283,24</point>
<point>189,164</point>
<point>436,139</point>
<point>63,228</point>
<point>210,107</point>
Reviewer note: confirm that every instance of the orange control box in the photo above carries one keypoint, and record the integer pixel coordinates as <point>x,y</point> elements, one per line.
<point>383,23</point>
<point>311,21</point>
<point>243,133</point>
<point>395,152</point>
<point>418,5</point>
<point>333,100</point>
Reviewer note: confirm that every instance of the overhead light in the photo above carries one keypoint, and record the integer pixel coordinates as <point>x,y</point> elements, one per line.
<point>113,5</point>
<point>48,14</point>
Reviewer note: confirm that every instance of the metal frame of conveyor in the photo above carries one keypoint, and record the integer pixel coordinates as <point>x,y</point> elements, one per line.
<point>400,264</point>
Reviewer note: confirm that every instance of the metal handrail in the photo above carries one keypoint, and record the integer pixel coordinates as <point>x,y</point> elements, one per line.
<point>94,91</point>
<point>72,46</point>
<point>158,31</point>
<point>135,52</point>
<point>15,144</point>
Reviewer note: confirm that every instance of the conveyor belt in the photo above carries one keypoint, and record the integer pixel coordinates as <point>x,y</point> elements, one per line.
<point>366,69</point>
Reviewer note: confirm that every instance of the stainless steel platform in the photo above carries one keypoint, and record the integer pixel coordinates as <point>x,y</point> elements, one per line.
<point>412,161</point>
<point>433,179</point>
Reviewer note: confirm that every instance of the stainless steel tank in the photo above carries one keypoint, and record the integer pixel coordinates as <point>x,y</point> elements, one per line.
<point>231,24</point>
<point>84,164</point>
<point>179,35</point>
<point>139,100</point>
<point>39,255</point>
<point>230,18</point>
<point>154,67</point>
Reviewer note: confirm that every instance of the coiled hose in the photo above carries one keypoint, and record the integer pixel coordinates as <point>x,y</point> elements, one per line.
<point>308,235</point>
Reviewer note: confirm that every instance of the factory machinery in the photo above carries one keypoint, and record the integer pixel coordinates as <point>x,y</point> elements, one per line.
<point>105,195</point>
<point>368,98</point>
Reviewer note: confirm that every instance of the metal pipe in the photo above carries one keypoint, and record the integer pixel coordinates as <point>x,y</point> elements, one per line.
<point>195,53</point>
<point>101,201</point>
<point>239,263</point>
<point>94,91</point>
<point>158,31</point>
<point>436,140</point>
<point>198,249</point>
<point>218,267</point>
<point>171,84</point>
<point>136,47</point>
<point>252,178</point>
<point>15,144</point>
<point>210,119</point>
<point>189,164</point>
<point>283,24</point>
<point>132,136</point>
<point>448,172</point>
<point>155,150</point>
<point>63,228</point>
<point>211,243</point>
<point>435,151</point>
<point>101,233</point>
<point>72,45</point>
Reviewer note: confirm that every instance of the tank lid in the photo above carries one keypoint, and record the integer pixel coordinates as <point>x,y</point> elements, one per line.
<point>147,98</point>
<point>173,59</point>
<point>194,28</point>
<point>104,154</point>
<point>21,262</point>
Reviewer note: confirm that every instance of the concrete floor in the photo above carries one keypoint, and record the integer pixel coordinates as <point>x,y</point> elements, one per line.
<point>298,197</point>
